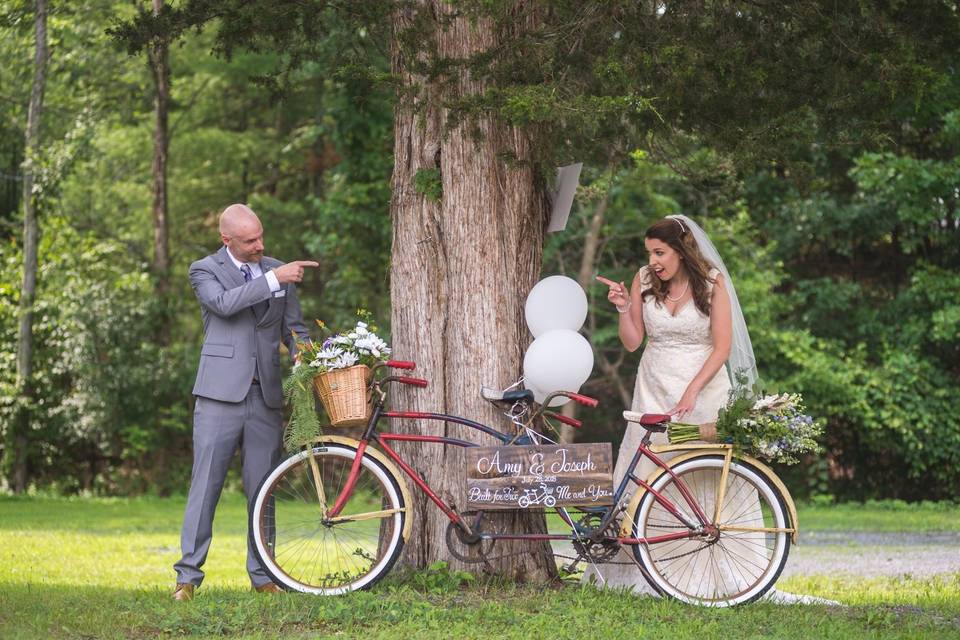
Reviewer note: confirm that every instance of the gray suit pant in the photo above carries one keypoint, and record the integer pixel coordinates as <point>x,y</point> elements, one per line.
<point>218,429</point>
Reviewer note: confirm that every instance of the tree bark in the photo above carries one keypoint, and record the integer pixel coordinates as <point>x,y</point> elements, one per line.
<point>159,57</point>
<point>21,423</point>
<point>461,269</point>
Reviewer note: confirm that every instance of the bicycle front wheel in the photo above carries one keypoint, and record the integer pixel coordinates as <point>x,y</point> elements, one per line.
<point>304,549</point>
<point>735,564</point>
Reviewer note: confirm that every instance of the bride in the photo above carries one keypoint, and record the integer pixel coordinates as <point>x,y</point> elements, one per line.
<point>685,306</point>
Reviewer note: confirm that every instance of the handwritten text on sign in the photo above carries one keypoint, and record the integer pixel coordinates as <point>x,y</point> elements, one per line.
<point>524,477</point>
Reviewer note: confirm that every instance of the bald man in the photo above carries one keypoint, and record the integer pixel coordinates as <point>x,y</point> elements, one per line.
<point>249,305</point>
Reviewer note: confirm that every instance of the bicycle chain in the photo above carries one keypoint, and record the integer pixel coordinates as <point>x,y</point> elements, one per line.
<point>680,555</point>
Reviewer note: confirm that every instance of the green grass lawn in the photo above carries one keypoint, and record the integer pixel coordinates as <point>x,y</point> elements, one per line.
<point>92,568</point>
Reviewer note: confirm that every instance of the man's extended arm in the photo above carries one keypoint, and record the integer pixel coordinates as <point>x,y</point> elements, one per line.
<point>219,300</point>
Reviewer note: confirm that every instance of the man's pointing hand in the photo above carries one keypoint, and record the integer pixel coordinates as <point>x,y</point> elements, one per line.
<point>293,271</point>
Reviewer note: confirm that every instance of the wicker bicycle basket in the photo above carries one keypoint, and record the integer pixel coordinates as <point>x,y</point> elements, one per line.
<point>344,395</point>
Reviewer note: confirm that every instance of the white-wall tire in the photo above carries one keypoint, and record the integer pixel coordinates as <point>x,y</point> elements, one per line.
<point>737,568</point>
<point>301,553</point>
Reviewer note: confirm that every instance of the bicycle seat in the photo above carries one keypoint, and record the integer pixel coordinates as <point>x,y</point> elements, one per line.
<point>656,422</point>
<point>493,395</point>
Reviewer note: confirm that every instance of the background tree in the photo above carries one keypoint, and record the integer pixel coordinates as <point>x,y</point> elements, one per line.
<point>24,387</point>
<point>159,56</point>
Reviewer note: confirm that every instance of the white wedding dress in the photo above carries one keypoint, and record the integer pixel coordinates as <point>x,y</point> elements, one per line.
<point>677,346</point>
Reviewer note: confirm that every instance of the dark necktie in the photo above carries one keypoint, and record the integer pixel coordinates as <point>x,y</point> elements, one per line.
<point>261,307</point>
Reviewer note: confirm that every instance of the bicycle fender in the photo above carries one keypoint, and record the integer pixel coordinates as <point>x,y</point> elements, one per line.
<point>382,458</point>
<point>627,524</point>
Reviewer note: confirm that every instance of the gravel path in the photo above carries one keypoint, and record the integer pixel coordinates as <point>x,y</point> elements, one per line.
<point>875,554</point>
<point>865,554</point>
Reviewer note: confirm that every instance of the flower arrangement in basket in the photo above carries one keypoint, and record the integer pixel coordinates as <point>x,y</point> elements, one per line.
<point>340,370</point>
<point>772,427</point>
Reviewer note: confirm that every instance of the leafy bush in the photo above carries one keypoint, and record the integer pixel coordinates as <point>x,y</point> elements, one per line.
<point>109,414</point>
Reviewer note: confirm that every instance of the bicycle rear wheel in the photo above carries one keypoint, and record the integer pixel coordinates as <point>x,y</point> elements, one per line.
<point>301,548</point>
<point>741,561</point>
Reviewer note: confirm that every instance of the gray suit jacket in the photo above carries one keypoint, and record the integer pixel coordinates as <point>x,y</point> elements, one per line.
<point>235,345</point>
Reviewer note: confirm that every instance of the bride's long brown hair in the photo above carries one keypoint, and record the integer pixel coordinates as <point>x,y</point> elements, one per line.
<point>674,233</point>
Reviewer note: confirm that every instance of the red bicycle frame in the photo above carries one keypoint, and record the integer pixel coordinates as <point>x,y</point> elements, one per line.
<point>694,527</point>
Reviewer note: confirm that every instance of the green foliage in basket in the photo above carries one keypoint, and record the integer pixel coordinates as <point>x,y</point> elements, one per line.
<point>304,425</point>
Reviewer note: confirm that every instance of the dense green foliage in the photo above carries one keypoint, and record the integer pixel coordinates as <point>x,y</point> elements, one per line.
<point>818,143</point>
<point>113,412</point>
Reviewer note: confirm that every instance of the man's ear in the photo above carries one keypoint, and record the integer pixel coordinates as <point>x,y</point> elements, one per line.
<point>225,239</point>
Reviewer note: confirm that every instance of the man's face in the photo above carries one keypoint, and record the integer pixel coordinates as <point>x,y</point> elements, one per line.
<point>245,241</point>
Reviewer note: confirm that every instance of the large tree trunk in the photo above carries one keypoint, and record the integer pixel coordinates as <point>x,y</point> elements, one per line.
<point>461,269</point>
<point>159,57</point>
<point>21,422</point>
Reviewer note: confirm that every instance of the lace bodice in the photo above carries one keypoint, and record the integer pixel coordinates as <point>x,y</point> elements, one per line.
<point>677,346</point>
<point>687,330</point>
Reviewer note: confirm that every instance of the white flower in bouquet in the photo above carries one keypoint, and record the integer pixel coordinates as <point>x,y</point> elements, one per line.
<point>344,360</point>
<point>330,353</point>
<point>372,345</point>
<point>771,402</point>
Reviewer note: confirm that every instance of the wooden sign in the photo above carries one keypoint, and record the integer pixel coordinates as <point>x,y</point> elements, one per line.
<point>521,477</point>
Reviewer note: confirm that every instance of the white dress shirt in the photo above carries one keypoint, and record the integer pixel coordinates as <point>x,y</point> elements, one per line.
<point>256,272</point>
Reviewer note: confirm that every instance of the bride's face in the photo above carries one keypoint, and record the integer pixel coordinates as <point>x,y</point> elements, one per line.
<point>664,260</point>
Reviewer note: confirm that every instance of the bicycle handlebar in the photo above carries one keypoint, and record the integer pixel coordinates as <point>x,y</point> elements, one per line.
<point>586,401</point>
<point>417,382</point>
<point>401,364</point>
<point>573,422</point>
<point>579,398</point>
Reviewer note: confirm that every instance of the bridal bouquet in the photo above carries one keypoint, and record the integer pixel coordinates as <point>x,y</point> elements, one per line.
<point>356,347</point>
<point>773,427</point>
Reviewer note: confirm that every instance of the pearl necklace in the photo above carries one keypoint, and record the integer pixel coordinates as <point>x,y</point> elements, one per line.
<point>677,299</point>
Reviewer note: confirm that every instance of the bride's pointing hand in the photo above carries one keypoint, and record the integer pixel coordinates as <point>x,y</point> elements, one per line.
<point>618,292</point>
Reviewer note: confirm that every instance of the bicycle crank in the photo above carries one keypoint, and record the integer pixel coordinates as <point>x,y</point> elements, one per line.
<point>470,547</point>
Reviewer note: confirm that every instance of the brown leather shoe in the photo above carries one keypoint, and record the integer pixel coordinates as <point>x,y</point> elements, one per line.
<point>183,592</point>
<point>269,587</point>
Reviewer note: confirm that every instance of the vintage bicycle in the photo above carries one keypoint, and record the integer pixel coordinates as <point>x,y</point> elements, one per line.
<point>709,527</point>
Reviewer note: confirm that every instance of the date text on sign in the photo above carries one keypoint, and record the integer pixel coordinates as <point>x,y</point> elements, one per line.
<point>559,475</point>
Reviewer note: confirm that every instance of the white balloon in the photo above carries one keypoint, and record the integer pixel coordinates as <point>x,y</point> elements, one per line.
<point>556,302</point>
<point>558,360</point>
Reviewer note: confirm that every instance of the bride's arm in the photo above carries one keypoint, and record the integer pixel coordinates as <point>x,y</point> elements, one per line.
<point>721,330</point>
<point>631,322</point>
